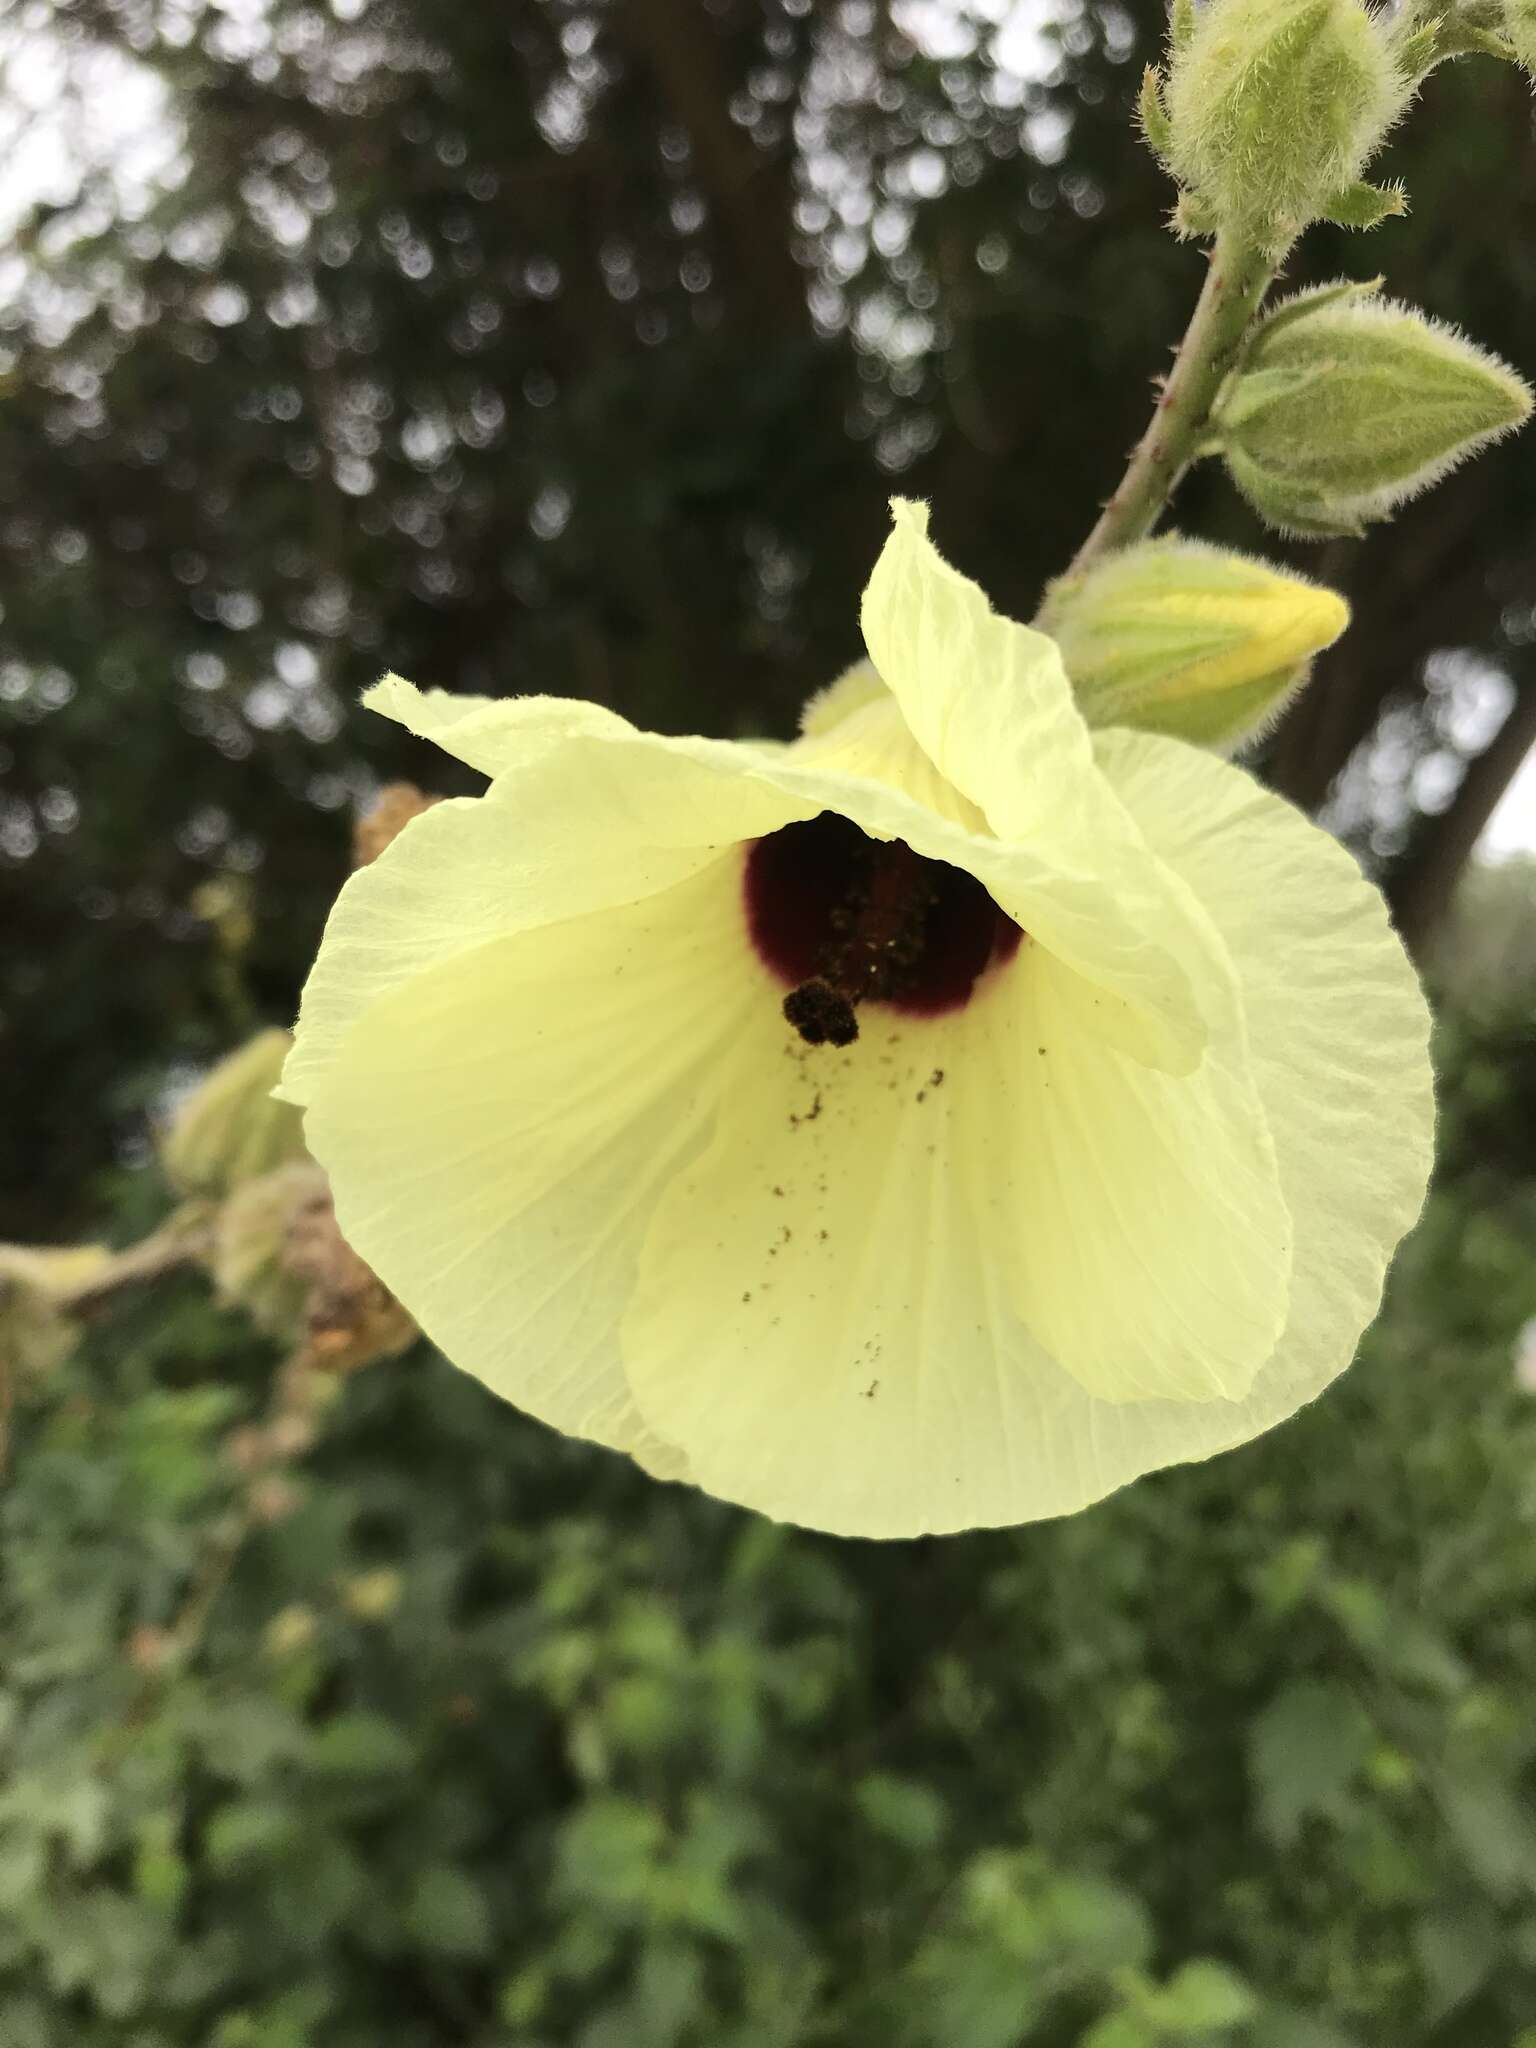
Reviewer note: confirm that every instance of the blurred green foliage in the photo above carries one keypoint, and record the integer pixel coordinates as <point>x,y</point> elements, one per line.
<point>488,1741</point>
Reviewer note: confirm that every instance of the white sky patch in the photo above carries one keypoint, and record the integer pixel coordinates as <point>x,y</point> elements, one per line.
<point>67,110</point>
<point>1511,831</point>
<point>1015,33</point>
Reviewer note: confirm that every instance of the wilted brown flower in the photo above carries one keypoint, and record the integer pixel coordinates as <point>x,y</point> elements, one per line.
<point>397,803</point>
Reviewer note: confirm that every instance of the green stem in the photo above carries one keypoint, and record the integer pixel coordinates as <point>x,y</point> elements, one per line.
<point>1235,284</point>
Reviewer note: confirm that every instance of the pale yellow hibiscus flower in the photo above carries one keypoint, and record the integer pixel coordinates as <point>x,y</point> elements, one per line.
<point>936,1122</point>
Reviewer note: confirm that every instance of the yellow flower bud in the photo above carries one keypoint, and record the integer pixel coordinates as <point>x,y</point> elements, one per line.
<point>1346,404</point>
<point>229,1129</point>
<point>1274,106</point>
<point>1177,637</point>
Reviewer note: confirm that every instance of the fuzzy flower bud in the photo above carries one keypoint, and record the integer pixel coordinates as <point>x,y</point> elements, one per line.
<point>1345,404</point>
<point>1177,637</point>
<point>229,1129</point>
<point>1273,107</point>
<point>250,1244</point>
<point>1520,27</point>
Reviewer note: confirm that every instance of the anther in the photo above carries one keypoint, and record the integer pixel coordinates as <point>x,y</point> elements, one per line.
<point>820,1014</point>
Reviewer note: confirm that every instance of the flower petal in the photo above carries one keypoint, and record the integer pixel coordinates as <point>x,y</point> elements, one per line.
<point>989,703</point>
<point>987,699</point>
<point>582,822</point>
<point>500,1126</point>
<point>871,741</point>
<point>1150,1246</point>
<point>493,734</point>
<point>1338,1040</point>
<point>881,1298</point>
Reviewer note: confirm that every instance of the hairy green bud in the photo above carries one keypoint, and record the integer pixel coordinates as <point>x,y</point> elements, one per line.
<point>229,1129</point>
<point>1173,636</point>
<point>1345,404</point>
<point>1520,29</point>
<point>1152,114</point>
<point>1275,106</point>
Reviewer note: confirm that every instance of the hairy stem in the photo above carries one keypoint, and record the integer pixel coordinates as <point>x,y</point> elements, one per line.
<point>1235,284</point>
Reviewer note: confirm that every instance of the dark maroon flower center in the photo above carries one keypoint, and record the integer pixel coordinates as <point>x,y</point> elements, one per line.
<point>845,919</point>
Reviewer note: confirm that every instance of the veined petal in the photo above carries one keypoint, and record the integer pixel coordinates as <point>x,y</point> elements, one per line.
<point>1122,926</point>
<point>845,694</point>
<point>914,1266</point>
<point>585,821</point>
<point>1148,1244</point>
<point>493,734</point>
<point>501,1125</point>
<point>987,699</point>
<point>1338,1041</point>
<point>989,702</point>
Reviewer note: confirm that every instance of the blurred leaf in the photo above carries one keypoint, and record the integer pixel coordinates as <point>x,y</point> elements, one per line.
<point>1305,1751</point>
<point>448,1914</point>
<point>361,1745</point>
<point>1201,1998</point>
<point>909,1813</point>
<point>1493,1828</point>
<point>1457,1949</point>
